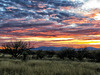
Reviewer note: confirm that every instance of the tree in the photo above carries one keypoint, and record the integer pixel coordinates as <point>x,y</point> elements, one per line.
<point>50,54</point>
<point>61,54</point>
<point>94,56</point>
<point>24,55</point>
<point>91,56</point>
<point>71,53</point>
<point>40,54</point>
<point>97,55</point>
<point>81,53</point>
<point>16,48</point>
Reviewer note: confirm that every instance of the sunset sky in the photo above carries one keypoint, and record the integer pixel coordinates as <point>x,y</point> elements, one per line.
<point>74,23</point>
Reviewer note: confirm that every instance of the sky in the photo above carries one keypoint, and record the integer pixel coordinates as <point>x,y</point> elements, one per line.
<point>74,23</point>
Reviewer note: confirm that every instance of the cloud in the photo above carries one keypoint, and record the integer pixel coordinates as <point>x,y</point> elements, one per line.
<point>65,2</point>
<point>97,17</point>
<point>35,10</point>
<point>32,18</point>
<point>92,31</point>
<point>86,24</point>
<point>18,24</point>
<point>91,4</point>
<point>70,26</point>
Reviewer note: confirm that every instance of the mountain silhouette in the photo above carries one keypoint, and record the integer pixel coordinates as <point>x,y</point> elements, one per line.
<point>60,48</point>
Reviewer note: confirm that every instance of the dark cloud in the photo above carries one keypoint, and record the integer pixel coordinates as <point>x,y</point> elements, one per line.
<point>34,9</point>
<point>84,31</point>
<point>16,24</point>
<point>86,24</point>
<point>11,11</point>
<point>32,34</point>
<point>62,2</point>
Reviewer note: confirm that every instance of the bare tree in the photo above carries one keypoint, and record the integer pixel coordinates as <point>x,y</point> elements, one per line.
<point>16,48</point>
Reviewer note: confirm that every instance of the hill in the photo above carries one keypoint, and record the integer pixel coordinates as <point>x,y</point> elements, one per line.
<point>59,48</point>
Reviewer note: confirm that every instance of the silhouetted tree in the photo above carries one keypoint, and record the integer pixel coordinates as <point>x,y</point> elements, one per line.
<point>91,56</point>
<point>24,53</point>
<point>71,53</point>
<point>16,48</point>
<point>50,54</point>
<point>67,52</point>
<point>81,53</point>
<point>40,54</point>
<point>97,56</point>
<point>61,54</point>
<point>33,53</point>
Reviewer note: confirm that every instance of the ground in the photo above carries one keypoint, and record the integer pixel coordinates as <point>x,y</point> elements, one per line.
<point>47,67</point>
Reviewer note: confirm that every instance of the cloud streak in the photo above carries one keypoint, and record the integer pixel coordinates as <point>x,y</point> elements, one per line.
<point>76,19</point>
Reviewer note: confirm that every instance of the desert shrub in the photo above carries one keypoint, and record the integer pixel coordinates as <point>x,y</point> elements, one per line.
<point>67,52</point>
<point>71,53</point>
<point>25,53</point>
<point>92,56</point>
<point>50,54</point>
<point>97,56</point>
<point>61,54</point>
<point>81,54</point>
<point>40,54</point>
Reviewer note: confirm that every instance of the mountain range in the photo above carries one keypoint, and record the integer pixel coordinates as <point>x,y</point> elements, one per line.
<point>60,48</point>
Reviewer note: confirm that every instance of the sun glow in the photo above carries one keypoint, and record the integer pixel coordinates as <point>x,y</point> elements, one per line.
<point>43,39</point>
<point>97,17</point>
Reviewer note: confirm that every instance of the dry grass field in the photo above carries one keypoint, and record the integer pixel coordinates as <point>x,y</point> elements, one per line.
<point>47,67</point>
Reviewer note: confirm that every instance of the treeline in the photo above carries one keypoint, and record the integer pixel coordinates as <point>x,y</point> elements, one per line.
<point>22,49</point>
<point>80,54</point>
<point>68,53</point>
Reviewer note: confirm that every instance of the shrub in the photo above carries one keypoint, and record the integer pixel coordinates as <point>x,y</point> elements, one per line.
<point>71,53</point>
<point>61,54</point>
<point>92,56</point>
<point>97,56</point>
<point>81,53</point>
<point>40,54</point>
<point>50,54</point>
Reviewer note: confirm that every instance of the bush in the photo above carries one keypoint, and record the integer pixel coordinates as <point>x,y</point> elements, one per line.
<point>82,53</point>
<point>97,55</point>
<point>67,52</point>
<point>50,54</point>
<point>71,53</point>
<point>91,56</point>
<point>40,54</point>
<point>61,54</point>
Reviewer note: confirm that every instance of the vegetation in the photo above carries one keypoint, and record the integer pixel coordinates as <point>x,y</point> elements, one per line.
<point>50,54</point>
<point>47,67</point>
<point>40,54</point>
<point>67,61</point>
<point>18,49</point>
<point>15,48</point>
<point>82,53</point>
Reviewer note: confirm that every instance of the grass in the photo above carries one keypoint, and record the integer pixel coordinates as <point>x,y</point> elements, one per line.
<point>47,67</point>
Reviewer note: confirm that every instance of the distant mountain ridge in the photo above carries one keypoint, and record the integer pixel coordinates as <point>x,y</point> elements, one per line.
<point>48,48</point>
<point>59,48</point>
<point>92,48</point>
